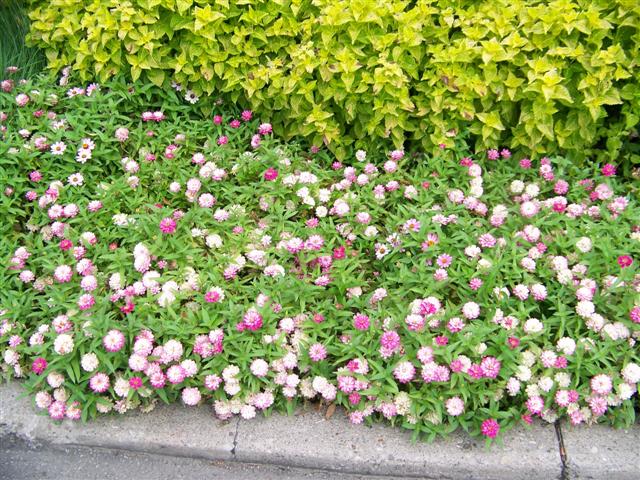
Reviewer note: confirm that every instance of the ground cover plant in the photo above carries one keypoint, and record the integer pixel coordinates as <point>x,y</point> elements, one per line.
<point>157,255</point>
<point>545,76</point>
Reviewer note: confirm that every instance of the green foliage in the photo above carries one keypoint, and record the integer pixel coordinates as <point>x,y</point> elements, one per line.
<point>14,25</point>
<point>543,76</point>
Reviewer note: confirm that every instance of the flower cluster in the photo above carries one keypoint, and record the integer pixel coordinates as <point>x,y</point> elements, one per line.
<point>204,261</point>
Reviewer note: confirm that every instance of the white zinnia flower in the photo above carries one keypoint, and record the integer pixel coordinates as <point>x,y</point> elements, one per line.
<point>63,344</point>
<point>584,244</point>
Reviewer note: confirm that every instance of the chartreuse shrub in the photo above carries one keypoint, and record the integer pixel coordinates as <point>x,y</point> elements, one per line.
<point>537,74</point>
<point>160,257</point>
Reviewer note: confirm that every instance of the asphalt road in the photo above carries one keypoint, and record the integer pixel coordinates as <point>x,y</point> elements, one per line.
<point>22,460</point>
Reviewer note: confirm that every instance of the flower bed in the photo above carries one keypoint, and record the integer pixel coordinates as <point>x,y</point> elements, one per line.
<point>155,256</point>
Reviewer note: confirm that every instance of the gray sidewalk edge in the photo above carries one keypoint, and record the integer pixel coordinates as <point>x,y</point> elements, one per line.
<point>308,440</point>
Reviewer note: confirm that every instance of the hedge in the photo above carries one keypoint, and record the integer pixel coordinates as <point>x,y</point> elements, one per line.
<point>543,76</point>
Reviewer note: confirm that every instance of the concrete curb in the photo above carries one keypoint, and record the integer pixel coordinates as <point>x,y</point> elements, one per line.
<point>599,452</point>
<point>308,440</point>
<point>168,430</point>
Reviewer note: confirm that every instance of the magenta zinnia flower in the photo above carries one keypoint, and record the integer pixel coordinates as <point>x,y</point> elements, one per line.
<point>490,428</point>
<point>361,321</point>
<point>252,320</point>
<point>135,383</point>
<point>212,296</point>
<point>39,365</point>
<point>625,261</point>
<point>609,170</point>
<point>271,174</point>
<point>167,225</point>
<point>525,163</point>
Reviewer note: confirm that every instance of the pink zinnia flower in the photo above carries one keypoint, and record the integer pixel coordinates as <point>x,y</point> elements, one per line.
<point>487,240</point>
<point>74,412</point>
<point>390,340</point>
<point>86,301</point>
<point>493,154</point>
<point>601,384</point>
<point>57,410</point>
<point>444,260</point>
<point>157,379</point>
<point>598,405</point>
<point>455,324</point>
<point>99,382</point>
<point>122,134</point>
<point>562,398</point>
<point>404,372</point>
<point>471,310</point>
<point>212,382</point>
<point>176,374</point>
<point>113,341</point>
<point>475,371</point>
<point>361,321</point>
<point>265,129</point>
<point>490,367</point>
<point>535,404</point>
<point>63,273</point>
<point>191,396</point>
<point>317,352</point>
<point>22,99</point>
<point>454,406</point>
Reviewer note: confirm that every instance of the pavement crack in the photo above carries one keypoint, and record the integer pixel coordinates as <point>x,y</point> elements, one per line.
<point>564,469</point>
<point>235,438</point>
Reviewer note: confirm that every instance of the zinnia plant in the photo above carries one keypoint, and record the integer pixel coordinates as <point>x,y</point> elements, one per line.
<point>151,260</point>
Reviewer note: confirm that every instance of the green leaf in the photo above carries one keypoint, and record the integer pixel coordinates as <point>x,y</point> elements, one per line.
<point>156,76</point>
